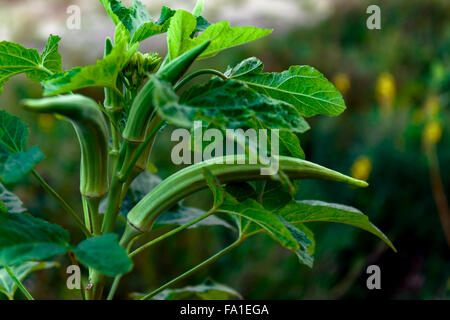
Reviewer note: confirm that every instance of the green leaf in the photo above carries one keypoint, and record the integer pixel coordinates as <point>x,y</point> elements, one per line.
<point>103,253</point>
<point>10,201</point>
<point>25,238</point>
<point>16,59</point>
<point>297,212</point>
<point>255,212</point>
<point>301,86</point>
<point>180,215</point>
<point>305,240</point>
<point>183,25</point>
<point>19,164</point>
<point>15,161</point>
<point>50,57</point>
<point>103,74</point>
<point>290,145</point>
<point>209,290</point>
<point>111,14</point>
<point>8,286</point>
<point>137,20</point>
<point>227,105</point>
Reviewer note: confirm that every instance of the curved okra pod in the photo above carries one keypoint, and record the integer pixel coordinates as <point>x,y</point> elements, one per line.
<point>191,179</point>
<point>91,129</point>
<point>141,109</point>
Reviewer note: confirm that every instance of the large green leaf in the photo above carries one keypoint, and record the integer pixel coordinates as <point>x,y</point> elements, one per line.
<point>15,161</point>
<point>8,286</point>
<point>25,238</point>
<point>103,253</point>
<point>10,201</point>
<point>103,74</point>
<point>302,86</point>
<point>138,21</point>
<point>311,211</point>
<point>16,59</point>
<point>271,196</point>
<point>227,104</point>
<point>209,290</point>
<point>222,35</point>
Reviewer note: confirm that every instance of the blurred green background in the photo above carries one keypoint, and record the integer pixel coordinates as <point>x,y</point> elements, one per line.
<point>395,134</point>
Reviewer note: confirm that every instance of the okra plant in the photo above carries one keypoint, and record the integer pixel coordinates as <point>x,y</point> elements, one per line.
<point>143,94</point>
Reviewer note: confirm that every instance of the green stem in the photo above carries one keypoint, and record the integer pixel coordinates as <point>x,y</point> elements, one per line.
<point>62,202</point>
<point>195,74</point>
<point>170,233</point>
<point>198,267</point>
<point>114,287</point>
<point>18,283</point>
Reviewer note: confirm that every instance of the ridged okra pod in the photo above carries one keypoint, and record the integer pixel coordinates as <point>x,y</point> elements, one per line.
<point>92,132</point>
<point>142,107</point>
<point>191,179</point>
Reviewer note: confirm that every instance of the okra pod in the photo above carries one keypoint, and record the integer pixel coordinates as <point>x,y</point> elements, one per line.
<point>191,179</point>
<point>92,133</point>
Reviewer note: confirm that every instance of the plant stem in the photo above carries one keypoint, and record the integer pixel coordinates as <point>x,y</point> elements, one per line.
<point>62,202</point>
<point>194,269</point>
<point>195,74</point>
<point>18,283</point>
<point>114,287</point>
<point>170,233</point>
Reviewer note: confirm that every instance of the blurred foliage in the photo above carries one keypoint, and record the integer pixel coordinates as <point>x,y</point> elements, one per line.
<point>396,83</point>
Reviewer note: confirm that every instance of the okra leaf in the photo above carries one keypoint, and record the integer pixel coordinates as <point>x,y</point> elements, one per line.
<point>8,286</point>
<point>228,104</point>
<point>255,212</point>
<point>209,290</point>
<point>107,4</point>
<point>180,215</point>
<point>12,203</point>
<point>50,57</point>
<point>296,212</point>
<point>272,196</point>
<point>15,160</point>
<point>222,35</point>
<point>103,253</point>
<point>26,238</point>
<point>16,59</point>
<point>301,86</point>
<point>305,240</point>
<point>137,20</point>
<point>103,74</point>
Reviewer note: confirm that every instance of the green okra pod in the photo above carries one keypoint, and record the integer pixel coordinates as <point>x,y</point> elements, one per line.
<point>141,109</point>
<point>92,132</point>
<point>191,179</point>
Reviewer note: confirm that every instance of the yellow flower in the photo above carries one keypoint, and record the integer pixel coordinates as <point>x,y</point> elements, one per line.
<point>432,133</point>
<point>385,89</point>
<point>46,122</point>
<point>361,168</point>
<point>342,82</point>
